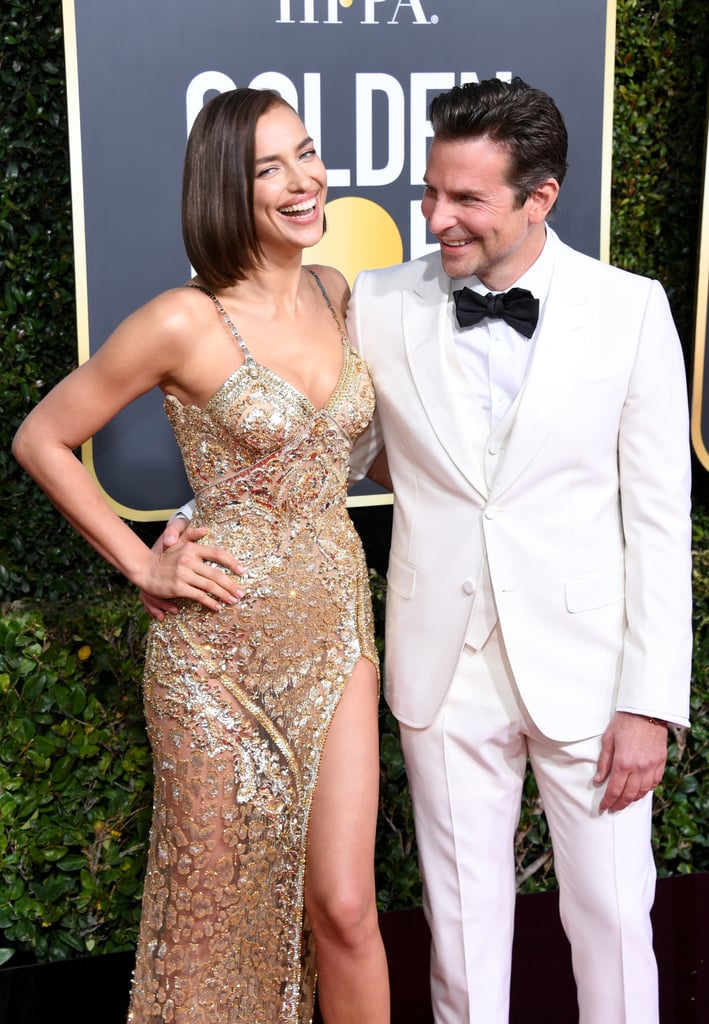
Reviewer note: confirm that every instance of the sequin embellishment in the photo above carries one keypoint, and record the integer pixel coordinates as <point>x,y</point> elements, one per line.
<point>238,703</point>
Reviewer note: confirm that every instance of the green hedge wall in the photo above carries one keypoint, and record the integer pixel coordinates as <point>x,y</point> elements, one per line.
<point>75,784</point>
<point>75,778</point>
<point>661,75</point>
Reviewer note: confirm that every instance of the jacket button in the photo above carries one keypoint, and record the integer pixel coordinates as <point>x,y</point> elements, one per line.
<point>468,587</point>
<point>491,511</point>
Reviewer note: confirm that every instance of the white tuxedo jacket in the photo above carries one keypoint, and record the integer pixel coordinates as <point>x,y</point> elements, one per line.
<point>579,521</point>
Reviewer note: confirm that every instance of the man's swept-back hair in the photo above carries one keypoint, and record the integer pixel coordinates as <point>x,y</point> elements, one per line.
<point>523,120</point>
<point>218,186</point>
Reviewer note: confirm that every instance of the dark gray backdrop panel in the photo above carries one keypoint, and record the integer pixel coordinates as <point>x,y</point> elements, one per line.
<point>135,62</point>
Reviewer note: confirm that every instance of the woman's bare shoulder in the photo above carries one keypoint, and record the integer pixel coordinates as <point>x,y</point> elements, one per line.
<point>335,285</point>
<point>176,312</point>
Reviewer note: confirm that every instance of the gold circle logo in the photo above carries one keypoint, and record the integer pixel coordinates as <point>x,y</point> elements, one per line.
<point>360,235</point>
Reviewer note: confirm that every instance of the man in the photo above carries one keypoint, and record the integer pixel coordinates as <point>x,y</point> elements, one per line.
<point>539,580</point>
<point>538,601</point>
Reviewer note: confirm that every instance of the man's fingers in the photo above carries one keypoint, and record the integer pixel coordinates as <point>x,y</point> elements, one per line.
<point>624,788</point>
<point>180,528</point>
<point>633,754</point>
<point>618,795</point>
<point>157,607</point>
<point>604,767</point>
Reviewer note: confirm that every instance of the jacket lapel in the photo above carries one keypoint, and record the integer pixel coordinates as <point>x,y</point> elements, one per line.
<point>446,398</point>
<point>566,332</point>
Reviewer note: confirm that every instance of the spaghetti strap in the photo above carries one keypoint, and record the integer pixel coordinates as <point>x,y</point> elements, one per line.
<point>233,330</point>
<point>228,321</point>
<point>330,306</point>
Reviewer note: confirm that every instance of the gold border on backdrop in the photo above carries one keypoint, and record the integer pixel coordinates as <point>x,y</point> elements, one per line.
<point>71,58</point>
<point>78,221</point>
<point>700,329</point>
<point>367,500</point>
<point>607,140</point>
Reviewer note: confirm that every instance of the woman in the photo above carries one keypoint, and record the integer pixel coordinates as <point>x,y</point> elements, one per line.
<point>261,691</point>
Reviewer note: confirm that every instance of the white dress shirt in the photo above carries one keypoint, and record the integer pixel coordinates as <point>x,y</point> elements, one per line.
<point>494,356</point>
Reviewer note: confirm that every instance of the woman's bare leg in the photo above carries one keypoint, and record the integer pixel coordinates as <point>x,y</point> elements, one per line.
<point>353,983</point>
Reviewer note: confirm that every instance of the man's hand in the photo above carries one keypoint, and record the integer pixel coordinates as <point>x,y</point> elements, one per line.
<point>379,471</point>
<point>181,565</point>
<point>632,761</point>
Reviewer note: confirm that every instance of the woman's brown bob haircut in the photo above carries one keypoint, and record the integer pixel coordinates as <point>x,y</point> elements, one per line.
<point>218,186</point>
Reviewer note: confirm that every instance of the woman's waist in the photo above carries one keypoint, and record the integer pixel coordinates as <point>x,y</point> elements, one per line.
<point>255,513</point>
<point>281,557</point>
<point>289,486</point>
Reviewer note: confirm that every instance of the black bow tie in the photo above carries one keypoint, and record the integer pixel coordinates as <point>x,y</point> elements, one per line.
<point>517,307</point>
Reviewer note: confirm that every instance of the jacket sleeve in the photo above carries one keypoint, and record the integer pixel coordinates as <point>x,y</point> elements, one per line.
<point>370,443</point>
<point>654,471</point>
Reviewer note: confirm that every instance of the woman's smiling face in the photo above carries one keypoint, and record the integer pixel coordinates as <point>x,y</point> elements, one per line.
<point>290,183</point>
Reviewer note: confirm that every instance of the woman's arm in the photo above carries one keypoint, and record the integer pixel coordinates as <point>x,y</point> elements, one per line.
<point>143,352</point>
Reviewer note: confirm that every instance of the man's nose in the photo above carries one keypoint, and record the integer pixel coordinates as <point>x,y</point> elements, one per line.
<point>439,214</point>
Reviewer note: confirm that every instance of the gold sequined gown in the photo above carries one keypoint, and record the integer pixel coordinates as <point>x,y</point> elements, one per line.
<point>238,703</point>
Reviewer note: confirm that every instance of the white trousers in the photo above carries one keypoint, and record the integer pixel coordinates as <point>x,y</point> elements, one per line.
<point>466,772</point>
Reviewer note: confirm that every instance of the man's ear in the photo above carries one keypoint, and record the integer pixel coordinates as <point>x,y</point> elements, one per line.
<point>542,199</point>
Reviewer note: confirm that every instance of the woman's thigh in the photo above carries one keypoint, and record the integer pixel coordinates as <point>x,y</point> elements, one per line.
<point>340,857</point>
